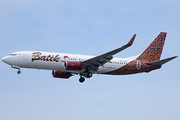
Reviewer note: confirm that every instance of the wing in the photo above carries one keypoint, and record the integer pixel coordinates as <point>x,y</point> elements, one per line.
<point>95,62</point>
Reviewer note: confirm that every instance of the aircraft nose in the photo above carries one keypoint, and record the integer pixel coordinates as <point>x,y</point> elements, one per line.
<point>5,59</point>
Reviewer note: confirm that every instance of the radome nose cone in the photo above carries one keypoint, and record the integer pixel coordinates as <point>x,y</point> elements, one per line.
<point>5,59</point>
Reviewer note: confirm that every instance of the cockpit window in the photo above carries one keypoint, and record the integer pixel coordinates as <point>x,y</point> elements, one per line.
<point>13,54</point>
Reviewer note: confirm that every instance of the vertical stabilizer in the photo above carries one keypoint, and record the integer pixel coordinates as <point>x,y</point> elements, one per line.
<point>154,50</point>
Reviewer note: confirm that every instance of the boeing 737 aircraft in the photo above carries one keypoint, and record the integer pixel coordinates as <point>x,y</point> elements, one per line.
<point>66,65</point>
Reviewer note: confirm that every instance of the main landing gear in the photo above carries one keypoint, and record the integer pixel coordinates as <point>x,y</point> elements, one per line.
<point>81,79</point>
<point>85,74</point>
<point>88,74</point>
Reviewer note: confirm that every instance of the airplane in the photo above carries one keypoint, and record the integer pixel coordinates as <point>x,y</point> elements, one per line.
<point>66,65</point>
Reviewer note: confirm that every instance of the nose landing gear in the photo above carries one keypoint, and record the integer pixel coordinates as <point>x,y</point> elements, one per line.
<point>19,71</point>
<point>17,67</point>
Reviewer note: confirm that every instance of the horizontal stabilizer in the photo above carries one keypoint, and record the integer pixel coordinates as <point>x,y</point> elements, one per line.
<point>161,62</point>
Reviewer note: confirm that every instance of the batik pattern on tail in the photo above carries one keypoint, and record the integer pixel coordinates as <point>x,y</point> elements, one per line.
<point>153,51</point>
<point>140,64</point>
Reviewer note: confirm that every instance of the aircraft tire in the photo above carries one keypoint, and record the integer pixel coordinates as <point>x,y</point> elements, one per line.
<point>81,79</point>
<point>18,72</point>
<point>89,74</point>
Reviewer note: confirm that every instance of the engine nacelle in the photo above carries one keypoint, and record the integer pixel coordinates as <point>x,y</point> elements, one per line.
<point>71,65</point>
<point>61,74</point>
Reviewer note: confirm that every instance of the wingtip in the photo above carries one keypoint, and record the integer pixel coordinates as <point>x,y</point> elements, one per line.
<point>132,40</point>
<point>175,56</point>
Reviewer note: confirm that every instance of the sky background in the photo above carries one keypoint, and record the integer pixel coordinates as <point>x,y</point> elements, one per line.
<point>89,27</point>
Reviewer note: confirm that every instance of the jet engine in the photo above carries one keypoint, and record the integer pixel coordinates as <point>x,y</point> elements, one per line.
<point>71,65</point>
<point>61,74</point>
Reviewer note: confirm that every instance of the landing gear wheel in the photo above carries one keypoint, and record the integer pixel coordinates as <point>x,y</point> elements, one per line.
<point>19,72</point>
<point>89,74</point>
<point>81,79</point>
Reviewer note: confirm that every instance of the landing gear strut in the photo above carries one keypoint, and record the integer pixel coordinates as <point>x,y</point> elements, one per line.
<point>17,67</point>
<point>85,74</point>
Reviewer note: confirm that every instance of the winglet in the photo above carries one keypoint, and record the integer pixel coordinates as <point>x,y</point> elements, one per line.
<point>131,41</point>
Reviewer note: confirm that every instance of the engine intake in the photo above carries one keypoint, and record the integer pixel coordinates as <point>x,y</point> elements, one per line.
<point>71,65</point>
<point>61,74</point>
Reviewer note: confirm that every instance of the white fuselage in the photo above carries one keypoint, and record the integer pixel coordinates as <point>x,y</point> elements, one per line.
<point>55,61</point>
<point>66,65</point>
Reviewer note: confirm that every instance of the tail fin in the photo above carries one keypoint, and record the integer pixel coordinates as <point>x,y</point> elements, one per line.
<point>153,51</point>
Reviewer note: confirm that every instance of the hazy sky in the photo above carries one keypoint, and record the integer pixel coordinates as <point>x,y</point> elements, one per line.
<point>89,27</point>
